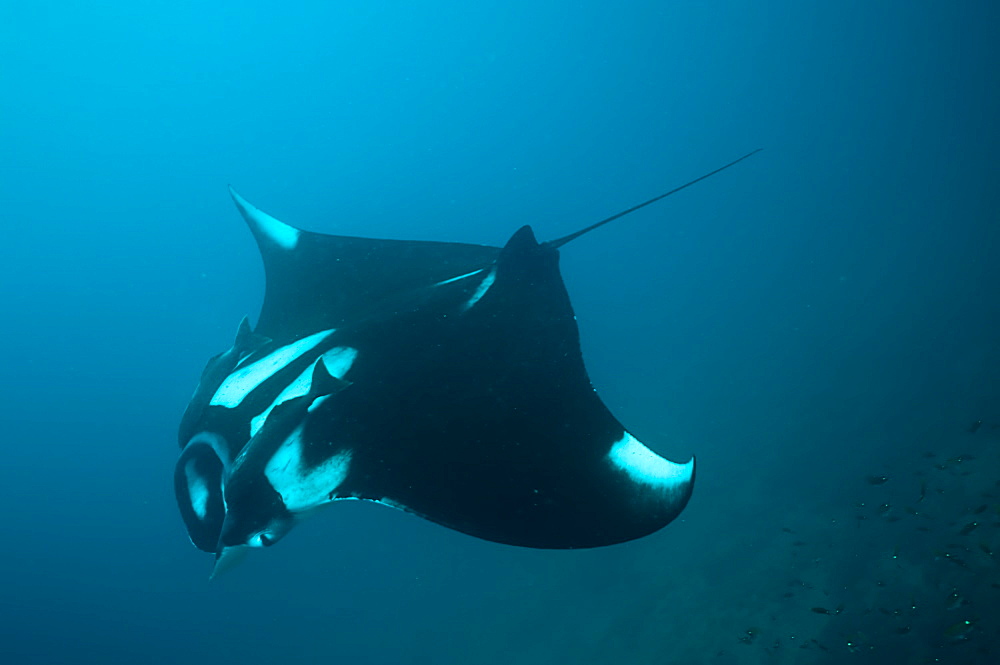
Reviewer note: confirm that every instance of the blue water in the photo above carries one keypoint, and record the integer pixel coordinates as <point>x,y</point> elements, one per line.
<point>823,312</point>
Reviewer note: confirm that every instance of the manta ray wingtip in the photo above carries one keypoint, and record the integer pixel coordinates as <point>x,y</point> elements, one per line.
<point>240,202</point>
<point>267,229</point>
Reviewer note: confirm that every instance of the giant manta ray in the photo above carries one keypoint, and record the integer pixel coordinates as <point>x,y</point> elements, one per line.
<point>443,379</point>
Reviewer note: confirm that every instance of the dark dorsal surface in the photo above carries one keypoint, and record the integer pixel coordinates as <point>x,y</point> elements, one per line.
<point>317,281</point>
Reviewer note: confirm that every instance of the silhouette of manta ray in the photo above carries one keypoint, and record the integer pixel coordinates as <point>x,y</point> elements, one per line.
<point>443,379</point>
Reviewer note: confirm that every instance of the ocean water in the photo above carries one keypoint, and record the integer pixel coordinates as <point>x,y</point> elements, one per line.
<point>817,324</point>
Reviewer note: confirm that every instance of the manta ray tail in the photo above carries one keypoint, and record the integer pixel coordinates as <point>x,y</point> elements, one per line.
<point>559,242</point>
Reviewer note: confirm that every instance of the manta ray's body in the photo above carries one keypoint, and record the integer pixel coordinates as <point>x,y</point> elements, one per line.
<point>443,379</point>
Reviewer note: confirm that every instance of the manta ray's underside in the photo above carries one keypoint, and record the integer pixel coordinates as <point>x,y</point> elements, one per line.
<point>443,379</point>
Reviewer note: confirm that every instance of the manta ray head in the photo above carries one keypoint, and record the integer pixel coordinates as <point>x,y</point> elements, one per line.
<point>256,515</point>
<point>257,519</point>
<point>271,484</point>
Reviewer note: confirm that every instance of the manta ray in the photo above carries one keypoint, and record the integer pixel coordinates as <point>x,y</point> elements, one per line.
<point>442,379</point>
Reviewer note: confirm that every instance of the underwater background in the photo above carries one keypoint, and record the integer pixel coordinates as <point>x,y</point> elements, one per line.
<point>817,324</point>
